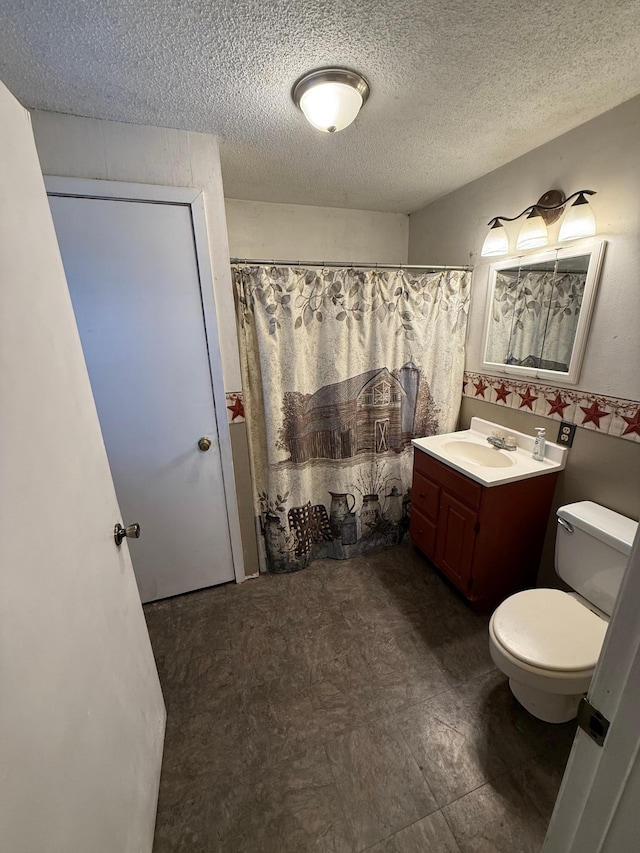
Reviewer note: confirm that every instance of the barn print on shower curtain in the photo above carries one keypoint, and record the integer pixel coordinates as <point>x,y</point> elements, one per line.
<point>341,369</point>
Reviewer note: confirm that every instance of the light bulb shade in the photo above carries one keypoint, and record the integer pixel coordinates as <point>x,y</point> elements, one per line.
<point>579,221</point>
<point>533,233</point>
<point>331,98</point>
<point>330,106</point>
<point>496,242</point>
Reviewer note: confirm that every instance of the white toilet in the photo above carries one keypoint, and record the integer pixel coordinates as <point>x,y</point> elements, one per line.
<point>548,641</point>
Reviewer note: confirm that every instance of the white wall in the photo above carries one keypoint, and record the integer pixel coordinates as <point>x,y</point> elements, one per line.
<point>303,233</point>
<point>81,713</point>
<point>75,147</point>
<point>601,155</point>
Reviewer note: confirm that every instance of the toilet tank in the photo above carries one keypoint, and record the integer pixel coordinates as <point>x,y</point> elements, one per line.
<point>593,544</point>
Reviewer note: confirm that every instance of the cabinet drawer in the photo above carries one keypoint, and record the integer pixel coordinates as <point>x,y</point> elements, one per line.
<point>425,496</point>
<point>451,481</point>
<point>423,533</point>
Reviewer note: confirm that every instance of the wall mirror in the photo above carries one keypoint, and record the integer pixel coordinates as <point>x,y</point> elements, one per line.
<point>538,312</point>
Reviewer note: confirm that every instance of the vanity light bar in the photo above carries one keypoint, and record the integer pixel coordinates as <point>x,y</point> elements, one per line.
<point>579,222</point>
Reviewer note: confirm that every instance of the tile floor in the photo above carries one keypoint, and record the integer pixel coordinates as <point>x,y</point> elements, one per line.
<point>351,706</point>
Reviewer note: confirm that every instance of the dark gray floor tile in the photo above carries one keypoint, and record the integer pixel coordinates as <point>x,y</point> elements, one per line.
<point>449,747</point>
<point>496,818</point>
<point>429,835</point>
<point>344,669</point>
<point>509,731</point>
<point>327,634</point>
<point>293,806</point>
<point>404,672</point>
<point>380,785</point>
<point>539,781</point>
<point>459,640</point>
<point>225,732</point>
<point>393,609</point>
<point>263,657</point>
<point>312,715</point>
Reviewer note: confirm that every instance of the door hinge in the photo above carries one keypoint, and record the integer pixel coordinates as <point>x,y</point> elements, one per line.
<point>476,527</point>
<point>592,721</point>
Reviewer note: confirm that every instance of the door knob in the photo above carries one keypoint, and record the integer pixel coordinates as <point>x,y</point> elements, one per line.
<point>132,531</point>
<point>204,443</point>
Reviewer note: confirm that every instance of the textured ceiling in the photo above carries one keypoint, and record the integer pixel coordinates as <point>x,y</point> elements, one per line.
<point>458,87</point>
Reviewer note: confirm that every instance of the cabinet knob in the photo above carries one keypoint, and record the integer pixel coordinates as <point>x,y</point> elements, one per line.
<point>421,495</point>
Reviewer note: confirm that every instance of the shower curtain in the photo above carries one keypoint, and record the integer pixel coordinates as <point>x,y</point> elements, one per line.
<point>341,369</point>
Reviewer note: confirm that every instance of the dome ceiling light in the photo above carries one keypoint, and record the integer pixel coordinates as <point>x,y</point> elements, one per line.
<point>330,98</point>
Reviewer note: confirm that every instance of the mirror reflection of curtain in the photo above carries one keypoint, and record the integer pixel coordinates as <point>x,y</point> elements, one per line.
<point>534,318</point>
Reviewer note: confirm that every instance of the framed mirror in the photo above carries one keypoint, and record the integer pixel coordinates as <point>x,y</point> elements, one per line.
<point>538,312</point>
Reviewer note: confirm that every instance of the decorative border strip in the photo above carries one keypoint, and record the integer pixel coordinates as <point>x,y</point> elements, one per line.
<point>235,407</point>
<point>608,415</point>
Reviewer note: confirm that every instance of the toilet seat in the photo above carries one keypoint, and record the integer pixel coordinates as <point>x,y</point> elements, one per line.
<point>550,630</point>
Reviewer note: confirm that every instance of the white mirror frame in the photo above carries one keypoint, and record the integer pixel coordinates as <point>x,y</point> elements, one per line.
<point>596,250</point>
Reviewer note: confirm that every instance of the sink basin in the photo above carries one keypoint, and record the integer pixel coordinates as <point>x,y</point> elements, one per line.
<point>469,451</point>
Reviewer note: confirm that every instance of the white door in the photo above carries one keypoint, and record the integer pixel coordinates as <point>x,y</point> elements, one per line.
<point>133,276</point>
<point>81,712</point>
<point>597,807</point>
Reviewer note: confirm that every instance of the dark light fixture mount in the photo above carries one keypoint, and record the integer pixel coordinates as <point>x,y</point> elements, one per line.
<point>545,209</point>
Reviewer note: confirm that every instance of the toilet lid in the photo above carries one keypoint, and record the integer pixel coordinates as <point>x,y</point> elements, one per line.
<point>549,629</point>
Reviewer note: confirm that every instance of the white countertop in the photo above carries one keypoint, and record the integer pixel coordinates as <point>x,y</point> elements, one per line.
<point>521,465</point>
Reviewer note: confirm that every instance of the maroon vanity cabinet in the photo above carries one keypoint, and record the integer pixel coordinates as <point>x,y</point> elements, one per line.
<point>486,539</point>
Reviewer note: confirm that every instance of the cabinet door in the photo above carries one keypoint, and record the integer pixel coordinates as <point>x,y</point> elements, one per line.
<point>456,540</point>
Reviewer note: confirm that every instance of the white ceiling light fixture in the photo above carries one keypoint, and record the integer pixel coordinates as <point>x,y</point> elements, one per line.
<point>579,220</point>
<point>547,210</point>
<point>331,98</point>
<point>533,233</point>
<point>496,242</point>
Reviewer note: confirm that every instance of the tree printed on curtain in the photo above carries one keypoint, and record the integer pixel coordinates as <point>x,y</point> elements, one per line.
<point>341,369</point>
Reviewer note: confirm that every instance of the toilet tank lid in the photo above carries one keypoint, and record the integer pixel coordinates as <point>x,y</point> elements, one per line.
<point>609,527</point>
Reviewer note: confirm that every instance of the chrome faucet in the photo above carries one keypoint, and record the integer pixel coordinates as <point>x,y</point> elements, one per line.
<point>502,441</point>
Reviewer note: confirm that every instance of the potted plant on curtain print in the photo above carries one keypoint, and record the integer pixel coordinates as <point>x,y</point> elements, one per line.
<point>276,539</point>
<point>371,485</point>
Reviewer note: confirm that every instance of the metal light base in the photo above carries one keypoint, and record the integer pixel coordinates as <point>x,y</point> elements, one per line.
<point>550,199</point>
<point>330,75</point>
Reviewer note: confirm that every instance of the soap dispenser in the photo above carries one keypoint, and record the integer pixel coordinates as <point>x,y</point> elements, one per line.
<point>538,445</point>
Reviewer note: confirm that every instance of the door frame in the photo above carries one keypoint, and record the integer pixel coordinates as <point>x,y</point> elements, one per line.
<point>193,198</point>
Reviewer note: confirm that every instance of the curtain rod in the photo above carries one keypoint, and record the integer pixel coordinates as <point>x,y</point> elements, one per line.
<point>348,264</point>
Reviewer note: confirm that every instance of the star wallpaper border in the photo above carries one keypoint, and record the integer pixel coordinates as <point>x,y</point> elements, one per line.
<point>606,415</point>
<point>235,407</point>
